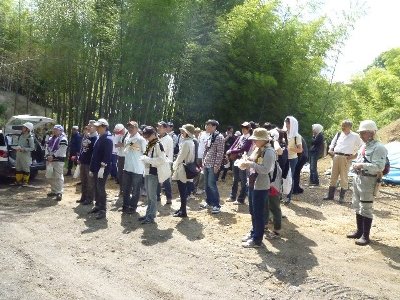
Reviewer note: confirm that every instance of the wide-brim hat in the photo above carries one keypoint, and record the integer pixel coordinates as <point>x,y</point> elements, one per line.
<point>260,134</point>
<point>189,129</point>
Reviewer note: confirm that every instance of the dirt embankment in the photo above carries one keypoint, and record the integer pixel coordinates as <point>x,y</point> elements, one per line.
<point>53,250</point>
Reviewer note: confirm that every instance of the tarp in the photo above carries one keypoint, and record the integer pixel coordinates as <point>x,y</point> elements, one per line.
<point>393,176</point>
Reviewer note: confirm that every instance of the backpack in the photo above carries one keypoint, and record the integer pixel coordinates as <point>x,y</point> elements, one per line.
<point>386,169</point>
<point>275,181</point>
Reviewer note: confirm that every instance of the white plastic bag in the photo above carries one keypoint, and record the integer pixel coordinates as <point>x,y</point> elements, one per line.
<point>287,183</point>
<point>49,170</point>
<point>77,172</point>
<point>101,173</point>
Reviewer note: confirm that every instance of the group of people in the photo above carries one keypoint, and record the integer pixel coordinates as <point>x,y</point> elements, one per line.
<point>261,158</point>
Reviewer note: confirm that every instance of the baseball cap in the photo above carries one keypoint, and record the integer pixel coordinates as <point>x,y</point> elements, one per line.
<point>101,122</point>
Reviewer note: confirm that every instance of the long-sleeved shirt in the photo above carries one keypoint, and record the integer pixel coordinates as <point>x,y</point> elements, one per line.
<point>25,141</point>
<point>57,147</point>
<point>135,146</point>
<point>346,143</point>
<point>86,152</point>
<point>186,155</point>
<point>372,155</point>
<point>241,145</point>
<point>263,166</point>
<point>214,152</point>
<point>317,144</point>
<point>168,144</point>
<point>75,144</point>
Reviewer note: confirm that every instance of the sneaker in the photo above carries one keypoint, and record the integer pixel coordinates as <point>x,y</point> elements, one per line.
<point>199,191</point>
<point>94,210</point>
<point>230,200</point>
<point>180,214</point>
<point>237,203</point>
<point>169,201</point>
<point>142,218</point>
<point>251,244</point>
<point>216,210</point>
<point>51,194</point>
<point>204,206</point>
<point>246,237</point>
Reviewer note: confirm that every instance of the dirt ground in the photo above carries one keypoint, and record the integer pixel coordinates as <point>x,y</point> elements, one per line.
<point>52,250</point>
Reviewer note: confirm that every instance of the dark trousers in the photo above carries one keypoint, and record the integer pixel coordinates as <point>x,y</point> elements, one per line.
<point>183,194</point>
<point>314,168</point>
<point>71,163</point>
<point>131,183</point>
<point>274,206</point>
<point>100,191</point>
<point>87,183</point>
<point>167,189</point>
<point>113,167</point>
<point>239,176</point>
<point>258,203</point>
<point>296,176</point>
<point>120,170</point>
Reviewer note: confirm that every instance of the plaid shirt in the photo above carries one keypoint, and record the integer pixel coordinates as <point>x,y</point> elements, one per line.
<point>214,152</point>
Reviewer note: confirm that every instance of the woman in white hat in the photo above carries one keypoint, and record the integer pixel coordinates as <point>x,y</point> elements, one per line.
<point>186,155</point>
<point>24,158</point>
<point>261,163</point>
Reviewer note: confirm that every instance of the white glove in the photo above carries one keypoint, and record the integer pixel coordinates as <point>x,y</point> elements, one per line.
<point>90,174</point>
<point>101,173</point>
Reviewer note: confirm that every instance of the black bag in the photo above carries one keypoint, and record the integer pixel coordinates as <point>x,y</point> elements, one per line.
<point>191,170</point>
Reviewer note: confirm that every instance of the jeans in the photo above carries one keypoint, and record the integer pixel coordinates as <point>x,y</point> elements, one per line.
<point>274,205</point>
<point>257,206</point>
<point>131,183</point>
<point>314,168</point>
<point>151,183</point>
<point>167,188</point>
<point>212,193</point>
<point>239,175</point>
<point>100,191</point>
<point>296,178</point>
<point>183,194</point>
<point>292,164</point>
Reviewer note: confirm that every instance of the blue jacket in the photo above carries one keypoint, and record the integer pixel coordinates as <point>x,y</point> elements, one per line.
<point>75,143</point>
<point>102,152</point>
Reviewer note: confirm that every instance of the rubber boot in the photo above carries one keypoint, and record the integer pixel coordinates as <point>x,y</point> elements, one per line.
<point>18,178</point>
<point>341,195</point>
<point>26,178</point>
<point>364,239</point>
<point>358,233</point>
<point>331,193</point>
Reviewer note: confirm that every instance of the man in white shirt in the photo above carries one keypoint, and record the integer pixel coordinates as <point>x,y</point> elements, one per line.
<point>343,149</point>
<point>168,144</point>
<point>134,147</point>
<point>202,138</point>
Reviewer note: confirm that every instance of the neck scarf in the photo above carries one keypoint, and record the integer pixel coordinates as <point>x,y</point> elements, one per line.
<point>150,145</point>
<point>54,143</point>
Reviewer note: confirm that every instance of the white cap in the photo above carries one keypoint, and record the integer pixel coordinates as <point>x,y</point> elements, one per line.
<point>28,125</point>
<point>118,127</point>
<point>101,122</point>
<point>367,125</point>
<point>274,134</point>
<point>238,133</point>
<point>75,127</point>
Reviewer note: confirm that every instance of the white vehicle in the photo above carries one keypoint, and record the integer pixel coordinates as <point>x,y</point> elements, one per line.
<point>9,139</point>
